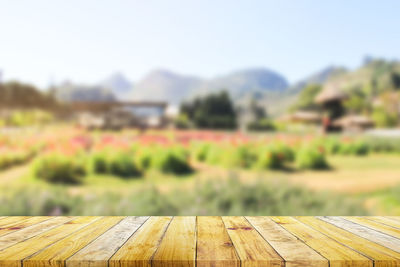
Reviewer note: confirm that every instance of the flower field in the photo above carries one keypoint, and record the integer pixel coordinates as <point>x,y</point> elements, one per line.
<point>69,155</point>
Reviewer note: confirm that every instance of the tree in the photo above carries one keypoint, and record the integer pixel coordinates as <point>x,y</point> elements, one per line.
<point>306,98</point>
<point>213,111</point>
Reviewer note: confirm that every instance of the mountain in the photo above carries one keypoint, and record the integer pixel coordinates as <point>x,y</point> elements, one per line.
<point>278,104</point>
<point>119,85</point>
<point>319,77</point>
<point>247,82</point>
<point>164,85</point>
<point>68,92</point>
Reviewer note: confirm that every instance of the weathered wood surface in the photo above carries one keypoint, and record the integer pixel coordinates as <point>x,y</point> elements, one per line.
<point>93,241</point>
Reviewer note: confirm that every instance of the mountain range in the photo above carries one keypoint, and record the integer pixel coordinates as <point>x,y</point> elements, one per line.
<point>266,86</point>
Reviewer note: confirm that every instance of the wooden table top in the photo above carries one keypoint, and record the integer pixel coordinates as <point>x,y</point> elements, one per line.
<point>199,241</point>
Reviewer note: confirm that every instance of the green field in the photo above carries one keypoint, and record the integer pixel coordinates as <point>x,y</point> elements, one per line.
<point>353,185</point>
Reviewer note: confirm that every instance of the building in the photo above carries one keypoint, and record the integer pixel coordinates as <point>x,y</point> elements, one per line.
<point>331,99</point>
<point>117,115</point>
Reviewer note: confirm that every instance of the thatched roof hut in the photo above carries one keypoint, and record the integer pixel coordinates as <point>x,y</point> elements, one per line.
<point>330,93</point>
<point>354,123</point>
<point>303,117</point>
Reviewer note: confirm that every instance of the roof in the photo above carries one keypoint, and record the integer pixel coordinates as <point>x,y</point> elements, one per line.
<point>353,120</point>
<point>330,92</point>
<point>305,116</point>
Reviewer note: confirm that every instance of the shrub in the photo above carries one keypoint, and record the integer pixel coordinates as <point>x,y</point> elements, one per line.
<point>214,154</point>
<point>311,158</point>
<point>122,164</point>
<point>144,157</point>
<point>286,151</point>
<point>100,162</point>
<point>261,125</point>
<point>269,158</point>
<point>200,151</point>
<point>241,156</point>
<point>172,160</point>
<point>56,168</point>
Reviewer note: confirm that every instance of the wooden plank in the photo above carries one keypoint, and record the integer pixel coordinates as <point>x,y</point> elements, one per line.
<point>292,250</point>
<point>214,246</point>
<point>395,218</point>
<point>178,246</point>
<point>375,225</point>
<point>140,248</point>
<point>381,255</point>
<point>251,247</point>
<point>12,256</point>
<point>12,219</point>
<point>33,230</point>
<point>97,253</point>
<point>365,232</point>
<point>385,220</point>
<point>12,227</point>
<point>336,253</point>
<point>57,253</point>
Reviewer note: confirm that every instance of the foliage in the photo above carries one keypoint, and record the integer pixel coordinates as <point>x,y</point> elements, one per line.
<point>270,158</point>
<point>122,164</point>
<point>173,160</point>
<point>18,95</point>
<point>261,125</point>
<point>383,118</point>
<point>210,198</point>
<point>12,158</point>
<point>311,157</point>
<point>213,111</point>
<point>57,168</point>
<point>306,98</point>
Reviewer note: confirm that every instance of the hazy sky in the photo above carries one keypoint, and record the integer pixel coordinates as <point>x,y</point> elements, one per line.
<point>87,40</point>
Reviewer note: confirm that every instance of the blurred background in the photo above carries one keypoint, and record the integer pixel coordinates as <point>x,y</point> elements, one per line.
<point>199,108</point>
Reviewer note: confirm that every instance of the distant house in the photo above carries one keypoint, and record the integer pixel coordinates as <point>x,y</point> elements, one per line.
<point>331,99</point>
<point>353,123</point>
<point>118,115</point>
<point>307,117</point>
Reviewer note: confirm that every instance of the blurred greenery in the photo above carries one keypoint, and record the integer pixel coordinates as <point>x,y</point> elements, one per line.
<point>214,197</point>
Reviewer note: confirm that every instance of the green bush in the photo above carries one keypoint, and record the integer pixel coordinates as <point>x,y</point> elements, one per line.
<point>270,158</point>
<point>242,156</point>
<point>100,162</point>
<point>311,158</point>
<point>171,160</point>
<point>11,159</point>
<point>200,151</point>
<point>122,164</point>
<point>144,157</point>
<point>56,168</point>
<point>261,125</point>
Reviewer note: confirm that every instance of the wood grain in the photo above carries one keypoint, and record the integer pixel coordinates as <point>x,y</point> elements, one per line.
<point>292,250</point>
<point>214,246</point>
<point>96,241</point>
<point>385,220</point>
<point>140,248</point>
<point>381,255</point>
<point>13,255</point>
<point>15,226</point>
<point>390,230</point>
<point>97,253</point>
<point>250,245</point>
<point>56,254</point>
<point>365,232</point>
<point>178,246</point>
<point>336,253</point>
<point>31,231</point>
